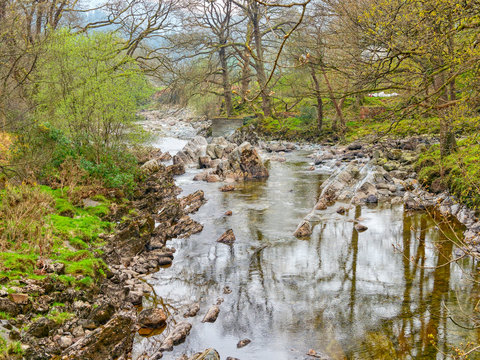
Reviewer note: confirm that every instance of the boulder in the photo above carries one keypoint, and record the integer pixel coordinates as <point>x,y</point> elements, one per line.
<point>152,318</point>
<point>360,227</point>
<point>243,343</point>
<point>150,166</point>
<point>245,161</point>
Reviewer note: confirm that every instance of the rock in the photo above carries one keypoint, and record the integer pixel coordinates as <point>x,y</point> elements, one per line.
<point>228,213</point>
<point>149,167</point>
<point>165,157</point>
<point>231,358</point>
<point>42,327</point>
<point>341,210</point>
<point>228,237</point>
<point>391,166</point>
<point>213,178</point>
<point>209,354</point>
<point>102,313</point>
<point>192,310</point>
<point>243,343</point>
<point>321,205</point>
<point>176,336</point>
<point>204,162</point>
<point>360,227</point>
<point>227,290</point>
<point>212,314</point>
<point>354,147</point>
<point>303,230</point>
<point>278,158</point>
<point>371,199</point>
<point>112,341</point>
<point>246,161</point>
<point>19,299</point>
<point>311,168</point>
<point>152,318</point>
<point>227,188</point>
<point>65,341</point>
<point>176,169</point>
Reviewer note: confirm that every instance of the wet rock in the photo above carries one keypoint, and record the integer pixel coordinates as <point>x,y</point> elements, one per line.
<point>341,210</point>
<point>42,327</point>
<point>152,318</point>
<point>228,213</point>
<point>111,341</point>
<point>278,158</point>
<point>176,336</point>
<point>228,237</point>
<point>360,227</point>
<point>227,290</point>
<point>227,188</point>
<point>212,314</point>
<point>165,157</point>
<point>303,230</point>
<point>191,203</point>
<point>209,354</point>
<point>192,310</point>
<point>220,300</point>
<point>204,162</point>
<point>243,343</point>
<point>231,358</point>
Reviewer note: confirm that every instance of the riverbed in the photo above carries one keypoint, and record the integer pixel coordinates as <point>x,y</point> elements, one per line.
<point>382,293</point>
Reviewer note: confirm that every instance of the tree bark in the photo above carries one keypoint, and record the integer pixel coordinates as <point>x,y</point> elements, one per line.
<point>318,95</point>
<point>227,88</point>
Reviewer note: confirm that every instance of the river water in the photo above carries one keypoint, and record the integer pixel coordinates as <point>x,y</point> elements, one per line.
<point>385,293</point>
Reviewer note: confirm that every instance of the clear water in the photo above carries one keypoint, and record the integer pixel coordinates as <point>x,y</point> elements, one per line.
<point>371,295</point>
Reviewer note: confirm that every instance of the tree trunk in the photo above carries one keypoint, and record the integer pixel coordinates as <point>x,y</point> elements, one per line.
<point>259,60</point>
<point>318,95</point>
<point>227,89</point>
<point>338,109</point>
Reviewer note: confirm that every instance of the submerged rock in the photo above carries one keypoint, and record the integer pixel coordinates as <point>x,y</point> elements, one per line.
<point>360,227</point>
<point>192,310</point>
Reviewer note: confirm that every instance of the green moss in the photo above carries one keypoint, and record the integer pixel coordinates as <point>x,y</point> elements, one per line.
<point>9,350</point>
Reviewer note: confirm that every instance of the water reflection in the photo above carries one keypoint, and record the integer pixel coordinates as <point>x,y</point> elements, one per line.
<point>378,294</point>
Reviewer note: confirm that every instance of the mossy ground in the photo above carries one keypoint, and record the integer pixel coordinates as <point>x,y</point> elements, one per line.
<point>70,235</point>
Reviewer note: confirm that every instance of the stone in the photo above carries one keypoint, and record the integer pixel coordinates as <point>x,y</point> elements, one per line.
<point>228,237</point>
<point>204,162</point>
<point>321,205</point>
<point>176,336</point>
<point>176,169</point>
<point>371,199</point>
<point>152,318</point>
<point>209,354</point>
<point>228,213</point>
<point>41,327</point>
<point>192,310</point>
<point>111,341</point>
<point>360,227</point>
<point>227,290</point>
<point>354,147</point>
<point>303,230</point>
<point>212,314</point>
<point>213,178</point>
<point>246,161</point>
<point>65,341</point>
<point>101,314</point>
<point>149,167</point>
<point>243,343</point>
<point>19,299</point>
<point>227,188</point>
<point>341,210</point>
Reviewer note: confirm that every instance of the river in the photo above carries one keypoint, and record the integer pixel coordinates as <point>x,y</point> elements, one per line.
<point>382,293</point>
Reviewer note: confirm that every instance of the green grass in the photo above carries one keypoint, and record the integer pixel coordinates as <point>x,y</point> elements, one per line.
<point>459,172</point>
